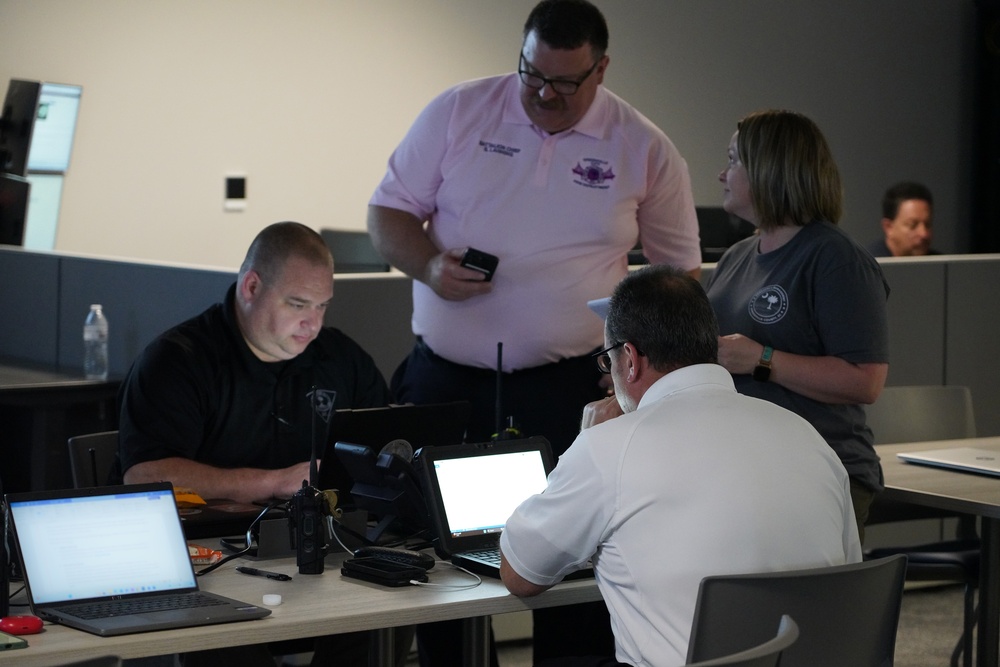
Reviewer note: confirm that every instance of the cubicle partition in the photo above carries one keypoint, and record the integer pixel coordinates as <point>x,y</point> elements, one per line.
<point>944,313</point>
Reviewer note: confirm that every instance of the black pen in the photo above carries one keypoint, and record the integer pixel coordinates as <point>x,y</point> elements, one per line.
<point>254,572</point>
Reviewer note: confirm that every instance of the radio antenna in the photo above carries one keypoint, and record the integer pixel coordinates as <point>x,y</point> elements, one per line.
<point>313,467</point>
<point>498,434</point>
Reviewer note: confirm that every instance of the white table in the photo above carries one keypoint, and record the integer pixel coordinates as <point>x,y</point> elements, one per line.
<point>961,492</point>
<point>312,605</point>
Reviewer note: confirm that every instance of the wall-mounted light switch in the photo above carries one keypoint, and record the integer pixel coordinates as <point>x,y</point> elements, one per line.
<point>236,193</point>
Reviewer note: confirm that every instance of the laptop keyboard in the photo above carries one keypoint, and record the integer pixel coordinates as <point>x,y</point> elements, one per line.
<point>488,555</point>
<point>113,608</point>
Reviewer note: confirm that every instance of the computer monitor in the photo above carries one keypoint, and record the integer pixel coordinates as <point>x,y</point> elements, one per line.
<point>55,126</point>
<point>14,193</point>
<point>16,124</point>
<point>353,251</point>
<point>718,230</point>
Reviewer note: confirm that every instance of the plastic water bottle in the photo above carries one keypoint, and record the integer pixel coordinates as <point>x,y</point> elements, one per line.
<point>95,344</point>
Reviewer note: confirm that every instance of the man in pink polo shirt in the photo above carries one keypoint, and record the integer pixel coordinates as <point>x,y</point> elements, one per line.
<point>557,177</point>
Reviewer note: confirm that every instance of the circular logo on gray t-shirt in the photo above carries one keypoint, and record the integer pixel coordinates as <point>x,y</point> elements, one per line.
<point>769,304</point>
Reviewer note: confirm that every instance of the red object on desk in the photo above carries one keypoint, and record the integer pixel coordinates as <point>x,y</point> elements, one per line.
<point>21,625</point>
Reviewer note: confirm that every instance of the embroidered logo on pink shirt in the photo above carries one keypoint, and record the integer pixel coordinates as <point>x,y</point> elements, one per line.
<point>594,174</point>
<point>489,147</point>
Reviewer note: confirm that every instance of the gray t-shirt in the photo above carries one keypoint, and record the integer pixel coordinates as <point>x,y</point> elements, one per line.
<point>821,294</point>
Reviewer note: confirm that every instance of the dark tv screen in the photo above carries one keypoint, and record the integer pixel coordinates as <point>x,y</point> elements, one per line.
<point>14,192</point>
<point>16,124</point>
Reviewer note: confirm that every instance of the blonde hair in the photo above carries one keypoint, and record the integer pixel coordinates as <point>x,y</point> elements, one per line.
<point>793,176</point>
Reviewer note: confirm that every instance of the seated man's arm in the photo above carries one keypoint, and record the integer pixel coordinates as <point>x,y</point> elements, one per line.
<point>517,584</point>
<point>239,484</point>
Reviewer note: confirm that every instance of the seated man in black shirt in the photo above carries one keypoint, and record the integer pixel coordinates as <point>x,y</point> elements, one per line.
<point>223,402</point>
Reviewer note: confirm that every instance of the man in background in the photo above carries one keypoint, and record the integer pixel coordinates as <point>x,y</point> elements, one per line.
<point>558,178</point>
<point>691,479</point>
<point>907,212</point>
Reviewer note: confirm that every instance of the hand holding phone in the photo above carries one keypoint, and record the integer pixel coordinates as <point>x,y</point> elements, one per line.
<point>484,262</point>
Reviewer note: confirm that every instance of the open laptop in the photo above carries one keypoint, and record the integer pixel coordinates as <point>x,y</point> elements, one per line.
<point>966,459</point>
<point>472,489</point>
<point>113,560</point>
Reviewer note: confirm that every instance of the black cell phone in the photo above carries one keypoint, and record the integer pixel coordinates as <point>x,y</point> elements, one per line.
<point>484,262</point>
<point>384,572</point>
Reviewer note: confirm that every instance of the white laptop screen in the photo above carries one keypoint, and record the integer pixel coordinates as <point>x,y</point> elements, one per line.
<point>480,493</point>
<point>79,548</point>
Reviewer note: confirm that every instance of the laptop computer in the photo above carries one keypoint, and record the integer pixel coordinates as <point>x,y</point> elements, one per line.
<point>471,491</point>
<point>113,560</point>
<point>965,459</point>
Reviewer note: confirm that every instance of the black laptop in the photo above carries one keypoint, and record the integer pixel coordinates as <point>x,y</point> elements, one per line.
<point>472,489</point>
<point>112,561</point>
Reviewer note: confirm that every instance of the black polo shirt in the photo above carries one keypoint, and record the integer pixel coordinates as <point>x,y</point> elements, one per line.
<point>198,392</point>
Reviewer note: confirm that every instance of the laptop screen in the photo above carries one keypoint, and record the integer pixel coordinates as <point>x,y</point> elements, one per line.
<point>97,543</point>
<point>479,493</point>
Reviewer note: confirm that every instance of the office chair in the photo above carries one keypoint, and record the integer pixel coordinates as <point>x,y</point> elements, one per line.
<point>767,654</point>
<point>91,458</point>
<point>920,413</point>
<point>846,614</point>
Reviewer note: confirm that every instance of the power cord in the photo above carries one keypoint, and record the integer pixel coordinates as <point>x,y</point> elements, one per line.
<point>249,544</point>
<point>451,587</point>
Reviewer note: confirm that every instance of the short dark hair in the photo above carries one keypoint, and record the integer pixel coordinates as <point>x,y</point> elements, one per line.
<point>666,315</point>
<point>277,243</point>
<point>793,176</point>
<point>901,192</point>
<point>569,24</point>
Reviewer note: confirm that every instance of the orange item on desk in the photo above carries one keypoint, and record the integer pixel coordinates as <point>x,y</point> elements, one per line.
<point>186,498</point>
<point>203,555</point>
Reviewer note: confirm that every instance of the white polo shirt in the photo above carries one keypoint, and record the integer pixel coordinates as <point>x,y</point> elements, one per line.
<point>698,481</point>
<point>560,211</point>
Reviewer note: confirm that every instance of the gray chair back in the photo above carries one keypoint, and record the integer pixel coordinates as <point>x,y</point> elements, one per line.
<point>846,614</point>
<point>91,458</point>
<point>767,654</point>
<point>916,413</point>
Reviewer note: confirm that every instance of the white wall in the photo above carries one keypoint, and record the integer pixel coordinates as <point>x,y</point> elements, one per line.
<point>309,97</point>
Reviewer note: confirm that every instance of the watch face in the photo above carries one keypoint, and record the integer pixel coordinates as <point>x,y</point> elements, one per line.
<point>761,373</point>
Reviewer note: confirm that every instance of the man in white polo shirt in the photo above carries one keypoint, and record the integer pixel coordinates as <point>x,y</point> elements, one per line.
<point>558,178</point>
<point>693,480</point>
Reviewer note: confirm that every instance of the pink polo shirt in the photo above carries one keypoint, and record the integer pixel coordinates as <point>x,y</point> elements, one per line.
<point>560,211</point>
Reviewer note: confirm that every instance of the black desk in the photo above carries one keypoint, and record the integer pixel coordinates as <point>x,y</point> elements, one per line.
<point>40,408</point>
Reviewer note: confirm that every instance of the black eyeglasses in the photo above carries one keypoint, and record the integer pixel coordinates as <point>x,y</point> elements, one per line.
<point>604,359</point>
<point>560,86</point>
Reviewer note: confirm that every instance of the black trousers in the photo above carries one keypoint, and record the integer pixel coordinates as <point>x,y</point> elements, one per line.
<point>546,400</point>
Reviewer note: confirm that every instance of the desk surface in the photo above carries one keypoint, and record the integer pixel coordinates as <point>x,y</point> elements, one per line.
<point>312,605</point>
<point>22,376</point>
<point>961,492</point>
<point>939,487</point>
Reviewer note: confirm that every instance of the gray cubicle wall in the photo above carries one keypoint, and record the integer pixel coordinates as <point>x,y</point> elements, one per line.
<point>917,299</point>
<point>140,301</point>
<point>29,306</point>
<point>374,309</point>
<point>944,314</point>
<point>972,352</point>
